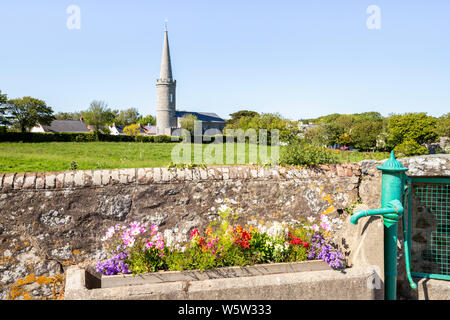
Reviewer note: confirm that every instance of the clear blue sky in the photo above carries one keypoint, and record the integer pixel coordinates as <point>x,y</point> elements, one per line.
<point>300,58</point>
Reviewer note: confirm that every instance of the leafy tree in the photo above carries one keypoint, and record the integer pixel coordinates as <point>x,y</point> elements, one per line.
<point>410,147</point>
<point>242,113</point>
<point>132,130</point>
<point>26,112</point>
<point>187,122</point>
<point>288,130</point>
<point>316,135</point>
<point>411,126</point>
<point>126,117</point>
<point>98,115</point>
<point>68,115</point>
<point>364,134</point>
<point>443,125</point>
<point>4,121</point>
<point>147,120</point>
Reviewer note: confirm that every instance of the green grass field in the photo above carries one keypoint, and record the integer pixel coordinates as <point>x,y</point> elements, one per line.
<point>58,156</point>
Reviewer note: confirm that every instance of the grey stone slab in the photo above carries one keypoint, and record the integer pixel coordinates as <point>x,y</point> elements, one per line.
<point>303,285</point>
<point>230,272</point>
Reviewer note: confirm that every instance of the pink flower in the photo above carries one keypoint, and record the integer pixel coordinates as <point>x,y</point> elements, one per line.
<point>194,233</point>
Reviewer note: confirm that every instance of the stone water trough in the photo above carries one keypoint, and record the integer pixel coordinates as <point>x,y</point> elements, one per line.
<point>309,280</point>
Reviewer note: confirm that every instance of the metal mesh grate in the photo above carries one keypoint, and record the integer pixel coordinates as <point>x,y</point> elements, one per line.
<point>430,228</point>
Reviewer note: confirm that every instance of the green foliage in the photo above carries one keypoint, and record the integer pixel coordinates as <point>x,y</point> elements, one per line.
<point>288,130</point>
<point>68,116</point>
<point>303,154</point>
<point>147,120</point>
<point>192,258</point>
<point>98,115</point>
<point>187,122</point>
<point>259,248</point>
<point>26,112</point>
<point>418,127</point>
<point>364,134</point>
<point>443,125</point>
<point>409,148</point>
<point>78,137</point>
<point>144,261</point>
<point>125,117</point>
<point>4,120</point>
<point>73,165</point>
<point>239,114</point>
<point>162,139</point>
<point>316,135</point>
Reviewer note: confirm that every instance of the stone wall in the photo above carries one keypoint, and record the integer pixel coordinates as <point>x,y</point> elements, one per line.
<point>51,220</point>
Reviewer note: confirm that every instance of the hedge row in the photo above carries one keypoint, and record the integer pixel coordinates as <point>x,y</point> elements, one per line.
<point>77,137</point>
<point>91,137</point>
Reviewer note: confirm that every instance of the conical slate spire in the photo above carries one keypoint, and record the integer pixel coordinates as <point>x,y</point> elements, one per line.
<point>166,66</point>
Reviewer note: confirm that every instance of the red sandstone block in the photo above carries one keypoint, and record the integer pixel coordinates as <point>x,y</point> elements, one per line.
<point>340,170</point>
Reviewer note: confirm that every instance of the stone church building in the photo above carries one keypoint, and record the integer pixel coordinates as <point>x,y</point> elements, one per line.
<point>167,117</point>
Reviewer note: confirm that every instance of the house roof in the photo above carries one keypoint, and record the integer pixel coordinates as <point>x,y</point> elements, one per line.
<point>201,116</point>
<point>66,126</point>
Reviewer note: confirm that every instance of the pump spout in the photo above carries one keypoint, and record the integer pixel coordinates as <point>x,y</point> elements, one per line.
<point>394,210</point>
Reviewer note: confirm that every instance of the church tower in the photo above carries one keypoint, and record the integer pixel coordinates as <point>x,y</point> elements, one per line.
<point>165,93</point>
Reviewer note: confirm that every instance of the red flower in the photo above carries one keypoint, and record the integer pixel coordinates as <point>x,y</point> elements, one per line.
<point>242,237</point>
<point>306,245</point>
<point>194,232</point>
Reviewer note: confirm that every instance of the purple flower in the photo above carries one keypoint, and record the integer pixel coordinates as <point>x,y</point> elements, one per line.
<point>114,265</point>
<point>321,250</point>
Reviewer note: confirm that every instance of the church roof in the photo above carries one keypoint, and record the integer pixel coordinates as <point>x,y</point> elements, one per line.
<point>66,126</point>
<point>201,116</point>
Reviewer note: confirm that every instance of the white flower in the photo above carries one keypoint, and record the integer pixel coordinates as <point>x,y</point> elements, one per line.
<point>169,237</point>
<point>278,248</point>
<point>223,208</point>
<point>276,230</point>
<point>219,200</point>
<point>311,219</point>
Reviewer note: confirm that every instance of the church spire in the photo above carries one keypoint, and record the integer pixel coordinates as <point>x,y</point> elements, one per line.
<point>166,66</point>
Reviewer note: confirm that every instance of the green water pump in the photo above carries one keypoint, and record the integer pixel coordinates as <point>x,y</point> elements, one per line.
<point>392,191</point>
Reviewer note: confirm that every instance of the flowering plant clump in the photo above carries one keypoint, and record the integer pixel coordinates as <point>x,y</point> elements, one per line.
<point>139,248</point>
